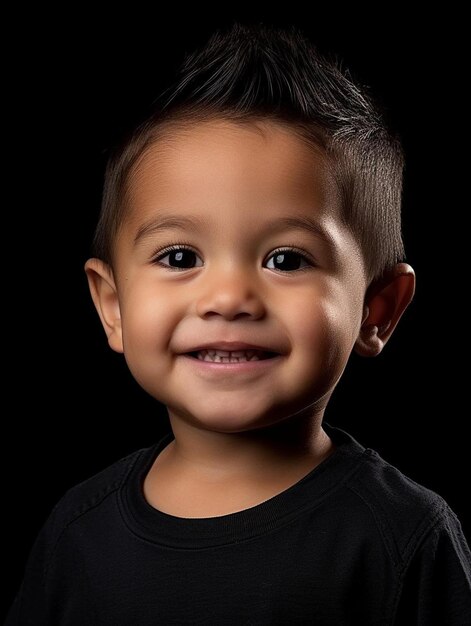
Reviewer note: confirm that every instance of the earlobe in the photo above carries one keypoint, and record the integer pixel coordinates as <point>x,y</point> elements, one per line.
<point>385,302</point>
<point>105,298</point>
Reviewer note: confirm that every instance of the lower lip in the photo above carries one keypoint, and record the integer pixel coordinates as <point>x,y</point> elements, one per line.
<point>232,368</point>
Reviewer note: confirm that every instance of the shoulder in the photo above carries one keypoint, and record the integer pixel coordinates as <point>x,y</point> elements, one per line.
<point>404,511</point>
<point>380,482</point>
<point>89,495</point>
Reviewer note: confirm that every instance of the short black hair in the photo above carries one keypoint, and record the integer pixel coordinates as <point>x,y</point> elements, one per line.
<point>253,72</point>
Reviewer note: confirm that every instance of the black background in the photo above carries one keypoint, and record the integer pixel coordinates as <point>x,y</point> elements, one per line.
<point>77,82</point>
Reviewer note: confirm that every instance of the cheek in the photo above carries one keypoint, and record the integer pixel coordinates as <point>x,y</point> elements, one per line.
<point>317,335</point>
<point>147,322</point>
<point>323,329</point>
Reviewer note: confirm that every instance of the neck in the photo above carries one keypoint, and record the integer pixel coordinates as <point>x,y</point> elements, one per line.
<point>295,445</point>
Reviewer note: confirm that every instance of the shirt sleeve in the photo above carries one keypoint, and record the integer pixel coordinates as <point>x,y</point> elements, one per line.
<point>437,583</point>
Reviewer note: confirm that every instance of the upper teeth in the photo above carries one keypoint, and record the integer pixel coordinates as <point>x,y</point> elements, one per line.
<point>226,356</point>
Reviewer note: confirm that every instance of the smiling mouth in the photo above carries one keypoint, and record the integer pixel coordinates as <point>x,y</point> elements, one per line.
<point>235,356</point>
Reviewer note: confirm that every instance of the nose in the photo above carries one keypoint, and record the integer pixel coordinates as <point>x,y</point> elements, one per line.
<point>231,294</point>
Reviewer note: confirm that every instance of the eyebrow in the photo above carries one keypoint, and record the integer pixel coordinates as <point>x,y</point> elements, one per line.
<point>302,223</point>
<point>180,222</point>
<point>169,222</point>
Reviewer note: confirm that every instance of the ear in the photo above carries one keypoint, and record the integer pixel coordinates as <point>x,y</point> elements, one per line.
<point>105,298</point>
<point>385,302</point>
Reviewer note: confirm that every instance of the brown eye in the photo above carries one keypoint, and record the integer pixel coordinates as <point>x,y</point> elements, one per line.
<point>179,258</point>
<point>287,261</point>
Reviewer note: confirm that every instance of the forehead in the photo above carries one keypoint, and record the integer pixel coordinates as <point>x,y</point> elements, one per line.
<point>235,183</point>
<point>254,164</point>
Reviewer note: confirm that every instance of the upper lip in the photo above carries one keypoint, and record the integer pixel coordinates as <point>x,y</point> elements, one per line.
<point>230,346</point>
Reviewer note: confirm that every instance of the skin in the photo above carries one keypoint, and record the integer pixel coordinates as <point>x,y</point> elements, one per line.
<point>241,437</point>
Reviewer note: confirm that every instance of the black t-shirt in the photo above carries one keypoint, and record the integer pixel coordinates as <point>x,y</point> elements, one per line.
<point>353,542</point>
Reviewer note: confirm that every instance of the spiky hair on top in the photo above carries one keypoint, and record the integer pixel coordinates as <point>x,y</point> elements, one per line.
<point>253,72</point>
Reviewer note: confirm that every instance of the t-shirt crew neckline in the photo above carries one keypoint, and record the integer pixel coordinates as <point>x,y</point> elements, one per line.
<point>162,528</point>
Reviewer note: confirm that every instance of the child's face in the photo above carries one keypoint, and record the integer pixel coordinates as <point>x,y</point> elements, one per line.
<point>231,201</point>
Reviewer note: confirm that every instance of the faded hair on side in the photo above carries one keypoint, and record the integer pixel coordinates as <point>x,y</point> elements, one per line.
<point>260,72</point>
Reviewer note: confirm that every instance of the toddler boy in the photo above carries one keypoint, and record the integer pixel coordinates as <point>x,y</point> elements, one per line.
<point>249,241</point>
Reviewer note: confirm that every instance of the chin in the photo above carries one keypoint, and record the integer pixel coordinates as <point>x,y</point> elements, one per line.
<point>224,419</point>
<point>230,423</point>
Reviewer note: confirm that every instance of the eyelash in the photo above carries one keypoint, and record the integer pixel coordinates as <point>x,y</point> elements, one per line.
<point>307,258</point>
<point>184,246</point>
<point>163,253</point>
